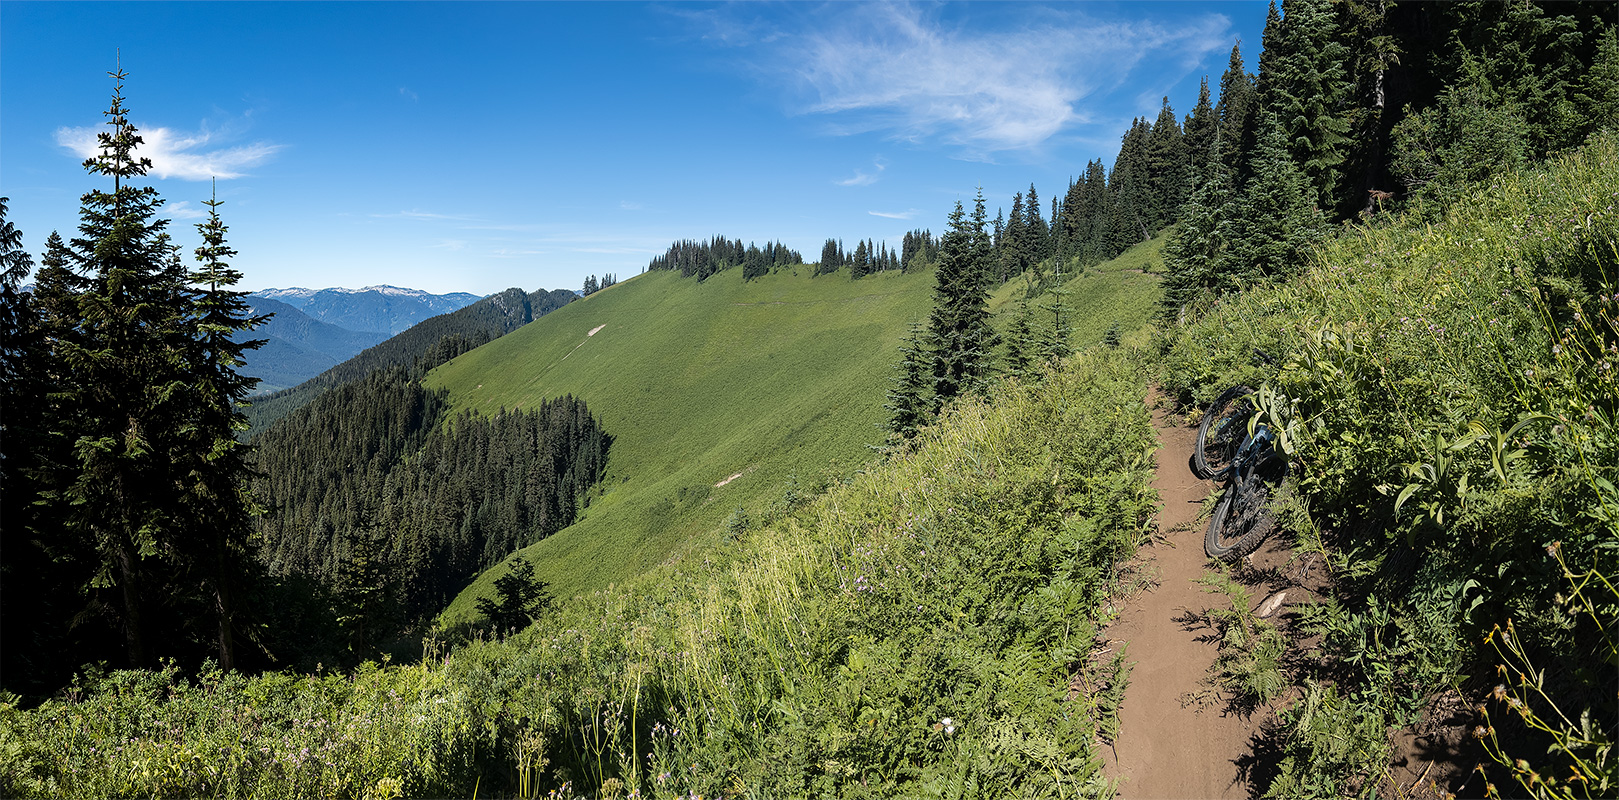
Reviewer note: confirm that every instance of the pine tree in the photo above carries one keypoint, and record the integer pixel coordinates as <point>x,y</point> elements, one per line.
<point>1013,242</point>
<point>959,333</point>
<point>1305,86</point>
<point>1235,111</point>
<point>1054,342</point>
<point>909,406</point>
<point>1193,254</point>
<point>1163,159</point>
<point>1198,132</point>
<point>519,599</point>
<point>1130,193</point>
<point>1022,347</point>
<point>1599,96</point>
<point>860,264</point>
<point>1273,223</point>
<point>217,497</point>
<point>126,403</point>
<point>1036,234</point>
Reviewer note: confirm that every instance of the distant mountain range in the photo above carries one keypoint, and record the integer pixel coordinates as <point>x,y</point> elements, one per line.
<point>489,318</point>
<point>314,330</point>
<point>298,347</point>
<point>381,309</point>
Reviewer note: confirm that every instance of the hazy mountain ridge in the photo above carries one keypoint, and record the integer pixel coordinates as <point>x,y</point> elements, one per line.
<point>381,308</point>
<point>297,346</point>
<point>488,318</point>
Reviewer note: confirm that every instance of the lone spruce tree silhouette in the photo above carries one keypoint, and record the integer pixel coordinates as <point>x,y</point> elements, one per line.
<point>519,598</point>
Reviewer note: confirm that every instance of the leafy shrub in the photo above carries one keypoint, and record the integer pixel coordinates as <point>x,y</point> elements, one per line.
<point>1448,394</point>
<point>912,632</point>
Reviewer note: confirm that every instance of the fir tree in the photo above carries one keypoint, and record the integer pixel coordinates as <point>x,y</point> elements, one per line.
<point>519,599</point>
<point>1022,347</point>
<point>1235,111</point>
<point>1012,243</point>
<point>1054,342</point>
<point>216,486</point>
<point>126,405</point>
<point>1036,234</point>
<point>1306,87</point>
<point>909,406</point>
<point>1198,134</point>
<point>1193,254</point>
<point>1163,160</point>
<point>1274,222</point>
<point>959,332</point>
<point>1599,96</point>
<point>1130,192</point>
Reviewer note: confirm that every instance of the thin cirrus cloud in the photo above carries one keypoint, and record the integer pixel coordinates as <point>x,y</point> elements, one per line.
<point>183,209</point>
<point>862,177</point>
<point>910,214</point>
<point>176,154</point>
<point>898,70</point>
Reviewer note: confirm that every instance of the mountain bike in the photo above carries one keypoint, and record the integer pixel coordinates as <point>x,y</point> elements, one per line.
<point>1234,447</point>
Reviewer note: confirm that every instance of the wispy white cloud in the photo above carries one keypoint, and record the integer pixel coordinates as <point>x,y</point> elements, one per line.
<point>176,154</point>
<point>426,215</point>
<point>863,178</point>
<point>449,244</point>
<point>184,210</point>
<point>630,206</point>
<point>409,95</point>
<point>505,252</point>
<point>898,69</point>
<point>617,251</point>
<point>909,214</point>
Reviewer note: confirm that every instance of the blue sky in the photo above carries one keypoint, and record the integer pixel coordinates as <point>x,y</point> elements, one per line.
<point>476,146</point>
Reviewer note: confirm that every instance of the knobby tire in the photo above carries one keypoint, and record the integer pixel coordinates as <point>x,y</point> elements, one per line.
<point>1241,520</point>
<point>1223,427</point>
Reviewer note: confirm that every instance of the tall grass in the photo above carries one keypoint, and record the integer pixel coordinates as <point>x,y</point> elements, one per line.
<point>1448,392</point>
<point>913,632</point>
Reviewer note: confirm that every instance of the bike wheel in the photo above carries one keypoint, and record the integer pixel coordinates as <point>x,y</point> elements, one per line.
<point>1223,427</point>
<point>1241,521</point>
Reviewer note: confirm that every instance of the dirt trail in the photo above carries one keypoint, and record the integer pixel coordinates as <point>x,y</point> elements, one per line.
<point>1167,749</point>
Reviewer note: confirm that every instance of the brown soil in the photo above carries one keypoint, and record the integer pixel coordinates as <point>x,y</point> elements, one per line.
<point>1168,746</point>
<point>1180,738</point>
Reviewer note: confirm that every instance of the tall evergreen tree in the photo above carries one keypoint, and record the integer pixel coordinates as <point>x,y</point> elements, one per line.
<point>1164,160</point>
<point>126,400</point>
<point>1306,88</point>
<point>1273,223</point>
<point>1235,109</point>
<point>217,497</point>
<point>909,405</point>
<point>1193,255</point>
<point>1037,235</point>
<point>959,333</point>
<point>1599,96</point>
<point>1198,134</point>
<point>1012,242</point>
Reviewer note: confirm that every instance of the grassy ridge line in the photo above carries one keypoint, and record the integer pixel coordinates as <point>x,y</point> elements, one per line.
<point>781,376</point>
<point>910,633</point>
<point>697,382</point>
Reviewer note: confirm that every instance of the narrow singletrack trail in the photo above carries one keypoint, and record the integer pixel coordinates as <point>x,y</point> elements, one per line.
<point>1169,747</point>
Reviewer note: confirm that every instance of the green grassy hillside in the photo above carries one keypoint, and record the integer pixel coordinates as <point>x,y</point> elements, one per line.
<point>698,382</point>
<point>776,380</point>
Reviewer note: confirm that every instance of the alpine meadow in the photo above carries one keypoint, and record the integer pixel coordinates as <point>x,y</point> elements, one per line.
<point>1273,454</point>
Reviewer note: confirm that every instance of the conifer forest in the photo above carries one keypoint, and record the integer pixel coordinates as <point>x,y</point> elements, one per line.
<point>464,563</point>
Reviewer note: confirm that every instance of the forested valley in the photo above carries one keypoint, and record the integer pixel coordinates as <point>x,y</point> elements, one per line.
<point>1410,206</point>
